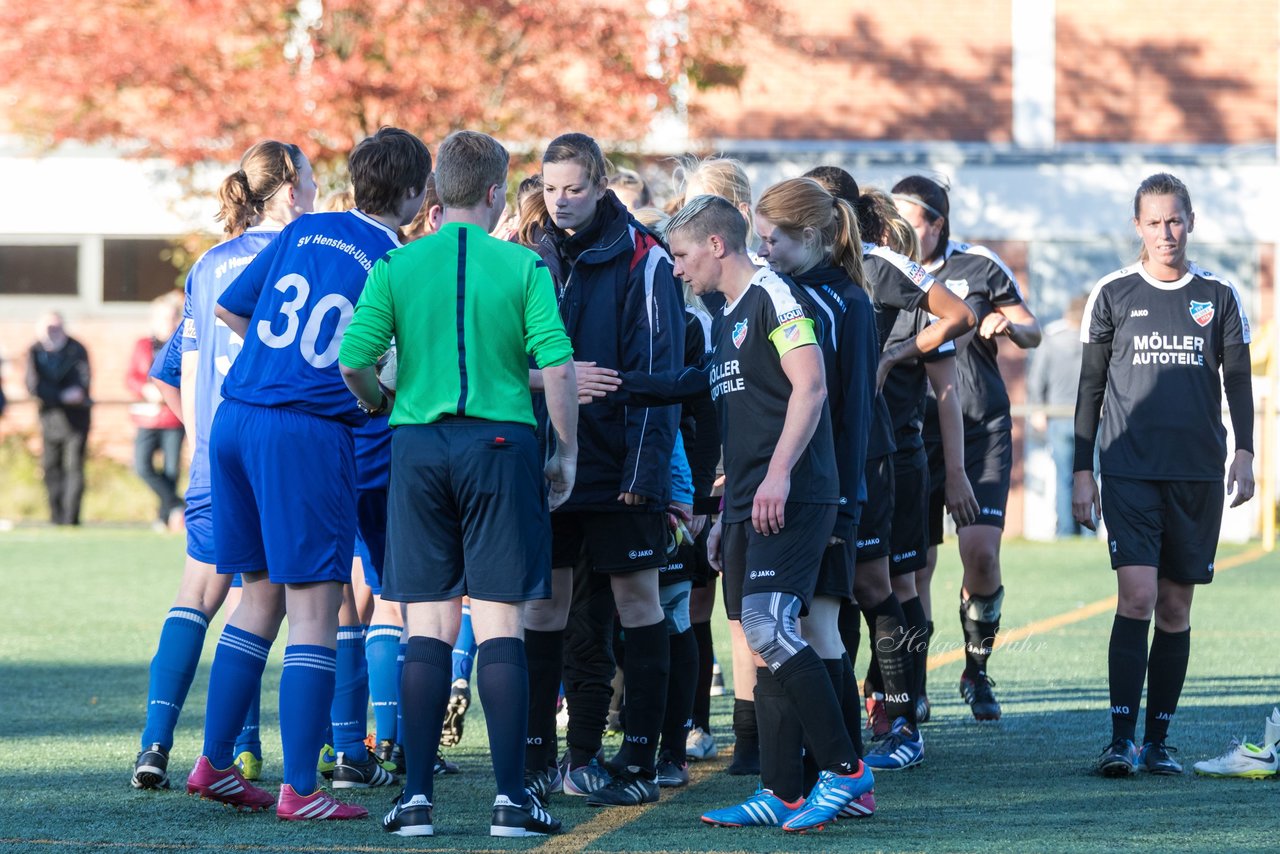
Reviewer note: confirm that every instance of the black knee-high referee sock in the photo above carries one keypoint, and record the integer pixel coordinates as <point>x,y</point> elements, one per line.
<point>681,683</point>
<point>706,662</point>
<point>979,635</point>
<point>424,694</point>
<point>1126,671</point>
<point>503,679</point>
<point>1166,671</point>
<point>851,704</point>
<point>896,661</point>
<point>813,699</point>
<point>646,673</point>
<point>917,643</point>
<point>781,763</point>
<point>544,652</point>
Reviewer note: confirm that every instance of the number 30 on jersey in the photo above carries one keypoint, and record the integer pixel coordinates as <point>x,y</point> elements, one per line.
<point>315,321</point>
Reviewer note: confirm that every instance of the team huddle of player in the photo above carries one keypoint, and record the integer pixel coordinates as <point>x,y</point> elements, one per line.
<point>530,410</point>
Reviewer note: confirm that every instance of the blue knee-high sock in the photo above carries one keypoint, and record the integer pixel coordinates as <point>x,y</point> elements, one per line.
<point>464,648</point>
<point>404,649</point>
<point>250,736</point>
<point>503,674</point>
<point>234,679</point>
<point>350,712</point>
<point>424,694</point>
<point>306,693</point>
<point>382,652</point>
<point>172,668</point>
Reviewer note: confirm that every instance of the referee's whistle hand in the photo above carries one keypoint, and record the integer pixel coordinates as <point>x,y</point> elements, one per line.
<point>1240,478</point>
<point>560,473</point>
<point>1084,500</point>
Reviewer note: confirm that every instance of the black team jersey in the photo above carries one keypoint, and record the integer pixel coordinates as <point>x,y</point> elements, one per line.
<point>896,284</point>
<point>751,392</point>
<point>850,353</point>
<point>981,279</point>
<point>1162,410</point>
<point>906,388</point>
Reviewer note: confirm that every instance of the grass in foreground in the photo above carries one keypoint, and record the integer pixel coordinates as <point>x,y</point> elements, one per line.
<point>82,611</point>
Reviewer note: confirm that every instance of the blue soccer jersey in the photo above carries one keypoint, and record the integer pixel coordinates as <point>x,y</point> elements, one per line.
<point>300,294</point>
<point>213,339</point>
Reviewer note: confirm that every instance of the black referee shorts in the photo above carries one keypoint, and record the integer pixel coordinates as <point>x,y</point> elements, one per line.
<point>875,528</point>
<point>1169,524</point>
<point>785,562</point>
<point>467,513</point>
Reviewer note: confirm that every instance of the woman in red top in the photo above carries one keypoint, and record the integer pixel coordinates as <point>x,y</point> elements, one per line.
<point>158,428</point>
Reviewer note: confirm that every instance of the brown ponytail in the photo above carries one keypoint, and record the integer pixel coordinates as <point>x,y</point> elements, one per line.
<point>264,169</point>
<point>799,203</point>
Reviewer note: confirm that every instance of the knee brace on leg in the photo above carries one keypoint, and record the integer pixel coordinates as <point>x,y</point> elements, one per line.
<point>769,623</point>
<point>675,606</point>
<point>983,609</point>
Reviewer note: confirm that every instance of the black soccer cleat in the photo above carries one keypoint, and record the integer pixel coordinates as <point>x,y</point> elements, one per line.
<point>630,787</point>
<point>459,702</point>
<point>981,699</point>
<point>352,774</point>
<point>512,820</point>
<point>391,755</point>
<point>410,817</point>
<point>151,768</point>
<point>1155,759</point>
<point>1118,759</point>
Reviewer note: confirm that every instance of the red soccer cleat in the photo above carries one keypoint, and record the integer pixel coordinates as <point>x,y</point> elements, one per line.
<point>317,806</point>
<point>226,787</point>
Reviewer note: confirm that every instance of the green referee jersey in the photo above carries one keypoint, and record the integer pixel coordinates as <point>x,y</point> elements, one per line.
<point>466,310</point>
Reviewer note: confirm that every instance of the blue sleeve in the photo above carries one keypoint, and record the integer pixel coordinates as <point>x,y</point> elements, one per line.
<point>681,474</point>
<point>167,366</point>
<point>190,339</point>
<point>652,342</point>
<point>241,296</point>
<point>860,356</point>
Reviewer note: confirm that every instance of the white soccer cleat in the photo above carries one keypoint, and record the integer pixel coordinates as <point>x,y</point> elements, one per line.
<point>1241,760</point>
<point>1272,737</point>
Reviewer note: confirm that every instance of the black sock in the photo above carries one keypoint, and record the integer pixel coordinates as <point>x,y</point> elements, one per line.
<point>917,641</point>
<point>648,663</point>
<point>746,734</point>
<point>979,638</point>
<point>813,699</point>
<point>850,626</point>
<point>896,660</point>
<point>851,704</point>
<point>544,652</point>
<point>1166,671</point>
<point>706,661</point>
<point>424,695</point>
<point>1126,671</point>
<point>681,683</point>
<point>588,664</point>
<point>503,679</point>
<point>781,762</point>
<point>923,673</point>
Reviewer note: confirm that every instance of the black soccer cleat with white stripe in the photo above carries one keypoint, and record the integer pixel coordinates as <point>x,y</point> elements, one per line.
<point>630,787</point>
<point>151,768</point>
<point>349,773</point>
<point>513,820</point>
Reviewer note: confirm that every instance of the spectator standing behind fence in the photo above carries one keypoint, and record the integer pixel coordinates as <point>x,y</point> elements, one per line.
<point>159,430</point>
<point>1051,382</point>
<point>58,377</point>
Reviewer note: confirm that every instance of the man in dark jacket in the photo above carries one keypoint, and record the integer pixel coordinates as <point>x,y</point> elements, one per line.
<point>58,377</point>
<point>623,311</point>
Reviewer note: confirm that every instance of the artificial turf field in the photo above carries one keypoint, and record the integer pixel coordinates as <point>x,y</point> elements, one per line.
<point>81,612</point>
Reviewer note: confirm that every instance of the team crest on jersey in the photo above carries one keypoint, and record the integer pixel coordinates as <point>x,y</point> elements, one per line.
<point>959,287</point>
<point>791,332</point>
<point>1201,312</point>
<point>739,333</point>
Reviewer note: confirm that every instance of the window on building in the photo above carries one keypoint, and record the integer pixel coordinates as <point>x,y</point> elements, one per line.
<point>38,270</point>
<point>135,270</point>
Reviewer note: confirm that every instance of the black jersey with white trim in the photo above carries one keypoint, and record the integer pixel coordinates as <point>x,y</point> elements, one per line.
<point>751,392</point>
<point>1162,410</point>
<point>896,284</point>
<point>981,279</point>
<point>906,388</point>
<point>851,354</point>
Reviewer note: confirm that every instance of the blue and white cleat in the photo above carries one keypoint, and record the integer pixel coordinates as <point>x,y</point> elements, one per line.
<point>900,749</point>
<point>763,809</point>
<point>830,797</point>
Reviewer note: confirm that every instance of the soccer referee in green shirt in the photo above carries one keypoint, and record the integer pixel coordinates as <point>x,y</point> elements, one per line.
<point>468,507</point>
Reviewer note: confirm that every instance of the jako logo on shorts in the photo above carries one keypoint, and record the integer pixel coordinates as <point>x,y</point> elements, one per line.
<point>636,555</point>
